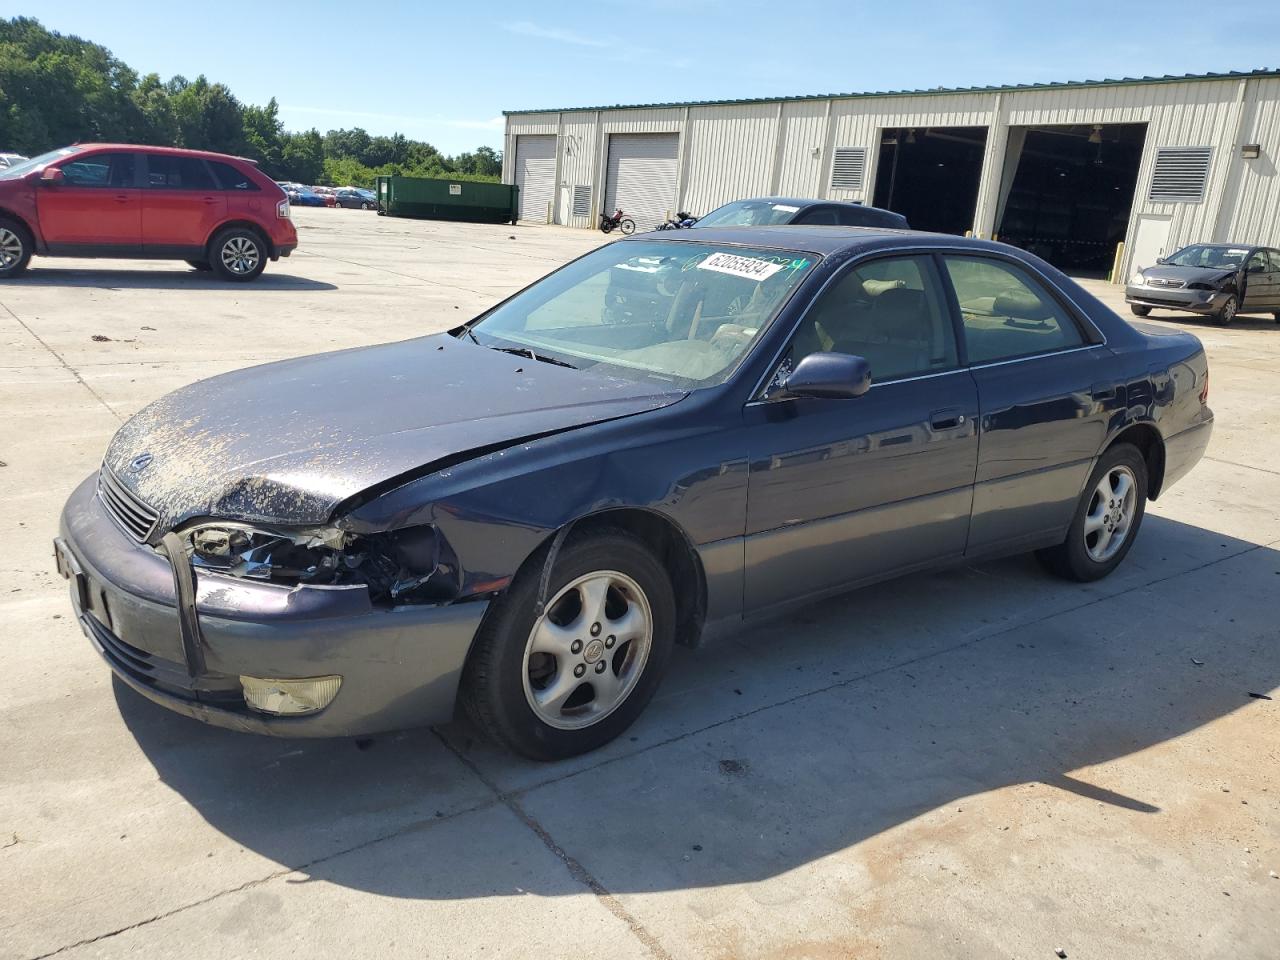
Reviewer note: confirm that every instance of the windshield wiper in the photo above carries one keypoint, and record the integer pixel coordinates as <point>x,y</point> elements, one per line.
<point>526,352</point>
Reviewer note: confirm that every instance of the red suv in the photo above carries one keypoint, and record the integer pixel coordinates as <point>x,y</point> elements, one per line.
<point>216,212</point>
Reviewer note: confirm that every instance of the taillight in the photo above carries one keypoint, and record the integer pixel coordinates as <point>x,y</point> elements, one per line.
<point>282,210</point>
<point>1204,391</point>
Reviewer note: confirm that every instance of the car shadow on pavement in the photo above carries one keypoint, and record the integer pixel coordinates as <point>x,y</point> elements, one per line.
<point>178,278</point>
<point>792,742</point>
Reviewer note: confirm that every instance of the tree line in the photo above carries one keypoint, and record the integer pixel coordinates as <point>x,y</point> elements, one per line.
<point>57,90</point>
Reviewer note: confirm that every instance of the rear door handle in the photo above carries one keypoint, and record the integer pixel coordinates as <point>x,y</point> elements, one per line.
<point>946,419</point>
<point>122,198</point>
<point>210,199</point>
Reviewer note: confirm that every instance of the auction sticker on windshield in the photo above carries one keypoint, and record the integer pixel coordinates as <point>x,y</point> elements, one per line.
<point>749,268</point>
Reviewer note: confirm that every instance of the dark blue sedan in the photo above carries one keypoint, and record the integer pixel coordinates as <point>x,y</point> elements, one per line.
<point>654,443</point>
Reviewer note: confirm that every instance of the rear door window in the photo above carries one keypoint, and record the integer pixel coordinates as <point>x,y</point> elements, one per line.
<point>1007,313</point>
<point>819,216</point>
<point>229,178</point>
<point>178,173</point>
<point>106,170</point>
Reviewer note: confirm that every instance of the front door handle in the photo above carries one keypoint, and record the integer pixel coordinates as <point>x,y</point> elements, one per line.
<point>210,199</point>
<point>946,419</point>
<point>122,198</point>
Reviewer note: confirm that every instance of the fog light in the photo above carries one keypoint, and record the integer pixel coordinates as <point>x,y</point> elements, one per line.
<point>290,697</point>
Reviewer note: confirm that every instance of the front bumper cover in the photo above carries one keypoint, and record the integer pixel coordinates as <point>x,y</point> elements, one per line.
<point>1176,298</point>
<point>400,666</point>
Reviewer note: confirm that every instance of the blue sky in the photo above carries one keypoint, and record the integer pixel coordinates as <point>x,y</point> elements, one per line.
<point>440,73</point>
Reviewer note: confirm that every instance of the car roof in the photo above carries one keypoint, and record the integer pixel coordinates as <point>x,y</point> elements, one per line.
<point>167,151</point>
<point>824,240</point>
<point>803,202</point>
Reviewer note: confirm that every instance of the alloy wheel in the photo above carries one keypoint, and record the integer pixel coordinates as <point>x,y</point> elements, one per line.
<point>240,255</point>
<point>588,649</point>
<point>1110,515</point>
<point>10,248</point>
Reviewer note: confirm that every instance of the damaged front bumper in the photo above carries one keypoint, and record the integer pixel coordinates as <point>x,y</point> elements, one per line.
<point>400,665</point>
<point>1203,302</point>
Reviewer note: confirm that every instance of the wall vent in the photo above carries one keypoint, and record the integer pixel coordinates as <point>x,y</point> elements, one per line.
<point>582,200</point>
<point>848,172</point>
<point>1180,175</point>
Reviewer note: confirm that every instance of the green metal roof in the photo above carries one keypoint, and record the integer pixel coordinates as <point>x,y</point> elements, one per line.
<point>936,91</point>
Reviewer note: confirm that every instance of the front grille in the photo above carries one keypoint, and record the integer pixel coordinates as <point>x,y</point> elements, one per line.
<point>134,517</point>
<point>1165,282</point>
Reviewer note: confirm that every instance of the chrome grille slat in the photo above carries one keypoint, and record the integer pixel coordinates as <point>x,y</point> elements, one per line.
<point>132,515</point>
<point>1163,282</point>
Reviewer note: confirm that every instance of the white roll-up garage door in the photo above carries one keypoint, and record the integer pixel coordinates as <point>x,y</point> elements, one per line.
<point>642,177</point>
<point>536,175</point>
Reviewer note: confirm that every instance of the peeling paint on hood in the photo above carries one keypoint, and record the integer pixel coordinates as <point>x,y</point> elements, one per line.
<point>287,442</point>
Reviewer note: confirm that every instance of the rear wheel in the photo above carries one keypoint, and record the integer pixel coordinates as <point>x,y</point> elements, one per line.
<point>628,226</point>
<point>1227,312</point>
<point>1107,518</point>
<point>238,254</point>
<point>1139,310</point>
<point>571,678</point>
<point>15,248</point>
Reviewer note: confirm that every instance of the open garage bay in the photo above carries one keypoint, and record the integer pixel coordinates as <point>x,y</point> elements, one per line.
<point>981,762</point>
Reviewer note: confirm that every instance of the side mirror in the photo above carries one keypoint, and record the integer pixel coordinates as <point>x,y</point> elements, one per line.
<point>830,375</point>
<point>52,176</point>
<point>1159,259</point>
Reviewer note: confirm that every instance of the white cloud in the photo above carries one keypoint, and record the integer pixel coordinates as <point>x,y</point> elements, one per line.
<point>528,29</point>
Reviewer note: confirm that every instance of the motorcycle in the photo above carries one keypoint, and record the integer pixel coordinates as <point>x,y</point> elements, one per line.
<point>619,221</point>
<point>681,221</point>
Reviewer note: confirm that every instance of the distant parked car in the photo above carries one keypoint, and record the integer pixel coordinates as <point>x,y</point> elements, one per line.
<point>304,196</point>
<point>766,211</point>
<point>217,212</point>
<point>356,199</point>
<point>1217,280</point>
<point>10,159</point>
<point>327,194</point>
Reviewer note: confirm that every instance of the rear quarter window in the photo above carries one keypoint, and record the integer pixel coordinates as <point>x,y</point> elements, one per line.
<point>229,178</point>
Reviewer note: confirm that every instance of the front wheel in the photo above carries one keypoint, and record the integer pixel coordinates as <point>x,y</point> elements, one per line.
<point>628,226</point>
<point>1227,312</point>
<point>238,254</point>
<point>1139,310</point>
<point>15,248</point>
<point>567,680</point>
<point>1107,518</point>
<point>364,206</point>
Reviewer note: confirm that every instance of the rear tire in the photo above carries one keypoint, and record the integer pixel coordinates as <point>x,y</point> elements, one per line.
<point>606,637</point>
<point>1106,510</point>
<point>16,245</point>
<point>1227,312</point>
<point>1139,311</point>
<point>628,227</point>
<point>238,254</point>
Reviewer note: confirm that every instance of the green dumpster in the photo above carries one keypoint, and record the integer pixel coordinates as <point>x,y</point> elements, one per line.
<point>435,199</point>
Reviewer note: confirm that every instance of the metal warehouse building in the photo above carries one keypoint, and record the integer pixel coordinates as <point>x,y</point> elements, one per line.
<point>1067,170</point>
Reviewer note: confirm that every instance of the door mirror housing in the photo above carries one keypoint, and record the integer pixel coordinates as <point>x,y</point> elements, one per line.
<point>52,176</point>
<point>829,375</point>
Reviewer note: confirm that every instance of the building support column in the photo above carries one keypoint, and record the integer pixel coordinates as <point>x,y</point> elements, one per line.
<point>682,159</point>
<point>775,170</point>
<point>984,214</point>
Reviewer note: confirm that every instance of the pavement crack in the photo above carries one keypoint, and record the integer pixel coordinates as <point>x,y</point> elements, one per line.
<point>274,875</point>
<point>57,356</point>
<point>1243,466</point>
<point>576,870</point>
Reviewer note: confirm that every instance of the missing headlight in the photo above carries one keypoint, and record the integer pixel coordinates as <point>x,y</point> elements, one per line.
<point>412,565</point>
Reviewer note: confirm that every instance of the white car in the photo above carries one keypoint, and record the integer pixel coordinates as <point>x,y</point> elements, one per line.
<point>11,159</point>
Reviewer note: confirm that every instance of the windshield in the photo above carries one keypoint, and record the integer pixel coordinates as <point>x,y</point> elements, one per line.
<point>749,213</point>
<point>678,312</point>
<point>1203,255</point>
<point>35,163</point>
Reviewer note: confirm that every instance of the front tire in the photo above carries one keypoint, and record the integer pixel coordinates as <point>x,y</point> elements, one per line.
<point>1107,518</point>
<point>238,254</point>
<point>1139,310</point>
<point>570,680</point>
<point>1227,312</point>
<point>628,226</point>
<point>15,248</point>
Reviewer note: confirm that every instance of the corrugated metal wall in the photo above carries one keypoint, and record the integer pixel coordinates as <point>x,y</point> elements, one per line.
<point>730,151</point>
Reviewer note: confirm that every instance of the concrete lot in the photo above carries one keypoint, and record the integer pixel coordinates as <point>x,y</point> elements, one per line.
<point>984,762</point>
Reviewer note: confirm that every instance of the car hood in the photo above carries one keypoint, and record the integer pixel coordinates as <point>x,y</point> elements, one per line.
<point>287,442</point>
<point>1166,271</point>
